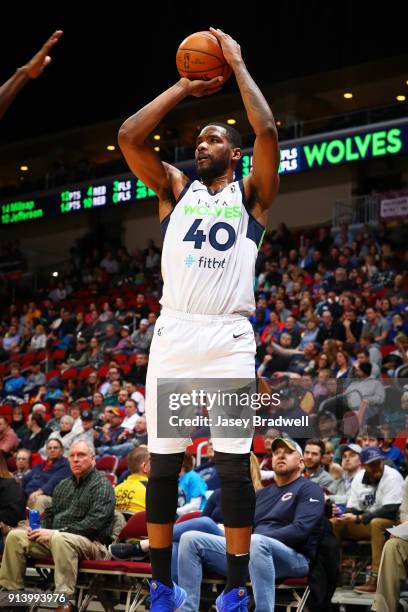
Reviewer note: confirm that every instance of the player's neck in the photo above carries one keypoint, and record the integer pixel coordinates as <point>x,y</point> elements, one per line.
<point>219,182</point>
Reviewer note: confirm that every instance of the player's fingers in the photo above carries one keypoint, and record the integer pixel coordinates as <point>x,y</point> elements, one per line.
<point>215,81</point>
<point>53,39</point>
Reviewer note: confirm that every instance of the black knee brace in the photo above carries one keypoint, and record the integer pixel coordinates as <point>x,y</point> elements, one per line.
<point>237,490</point>
<point>162,487</point>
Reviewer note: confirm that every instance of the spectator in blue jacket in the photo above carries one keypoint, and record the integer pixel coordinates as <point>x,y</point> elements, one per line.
<point>207,470</point>
<point>288,523</point>
<point>40,482</point>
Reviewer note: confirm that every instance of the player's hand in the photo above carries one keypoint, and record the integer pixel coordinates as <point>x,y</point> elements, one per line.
<point>41,535</point>
<point>230,48</point>
<point>199,89</point>
<point>41,59</point>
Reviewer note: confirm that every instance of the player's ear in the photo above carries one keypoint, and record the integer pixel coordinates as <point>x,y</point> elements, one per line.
<point>236,154</point>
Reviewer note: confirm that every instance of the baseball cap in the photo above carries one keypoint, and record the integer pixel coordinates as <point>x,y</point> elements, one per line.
<point>370,454</point>
<point>117,411</point>
<point>291,444</point>
<point>125,327</point>
<point>356,448</point>
<point>144,322</point>
<point>87,415</point>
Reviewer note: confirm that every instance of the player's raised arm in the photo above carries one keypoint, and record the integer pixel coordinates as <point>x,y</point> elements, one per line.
<point>263,183</point>
<point>164,179</point>
<point>31,70</point>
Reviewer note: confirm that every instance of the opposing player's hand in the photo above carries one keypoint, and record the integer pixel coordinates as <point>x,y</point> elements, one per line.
<point>41,59</point>
<point>230,47</point>
<point>199,89</point>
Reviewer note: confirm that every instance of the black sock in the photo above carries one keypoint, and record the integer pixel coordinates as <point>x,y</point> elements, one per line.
<point>160,559</point>
<point>237,571</point>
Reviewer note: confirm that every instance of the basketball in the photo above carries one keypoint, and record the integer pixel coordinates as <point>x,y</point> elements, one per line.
<point>200,57</point>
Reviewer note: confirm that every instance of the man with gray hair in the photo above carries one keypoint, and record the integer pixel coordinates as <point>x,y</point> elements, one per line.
<point>78,525</point>
<point>66,434</point>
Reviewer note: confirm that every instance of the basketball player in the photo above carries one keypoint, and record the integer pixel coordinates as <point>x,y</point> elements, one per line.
<point>31,70</point>
<point>208,264</point>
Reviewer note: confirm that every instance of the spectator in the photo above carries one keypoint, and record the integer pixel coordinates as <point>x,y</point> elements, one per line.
<point>192,488</point>
<point>131,417</point>
<point>136,396</point>
<point>112,435</point>
<point>376,494</point>
<point>10,342</point>
<point>18,422</point>
<point>352,327</point>
<point>78,525</point>
<point>388,449</point>
<point>140,310</point>
<point>8,438</point>
<point>366,354</point>
<point>14,384</point>
<point>39,339</point>
<point>330,329</point>
<point>131,493</point>
<point>75,412</point>
<point>109,263</point>
<point>207,470</point>
<point>265,464</point>
<point>112,374</point>
<point>376,325</point>
<point>351,464</point>
<point>393,571</point>
<point>41,481</point>
<point>138,371</point>
<point>23,463</point>
<point>314,470</point>
<point>12,501</point>
<point>285,537</point>
<point>78,358</point>
<point>141,338</point>
<point>65,434</point>
<point>36,435</point>
<point>59,411</point>
<point>89,433</point>
<point>34,380</point>
<point>310,333</point>
<point>95,353</point>
<point>124,345</point>
<point>398,419</point>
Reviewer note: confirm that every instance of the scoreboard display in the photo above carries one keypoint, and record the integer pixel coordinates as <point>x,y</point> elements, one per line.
<point>319,151</point>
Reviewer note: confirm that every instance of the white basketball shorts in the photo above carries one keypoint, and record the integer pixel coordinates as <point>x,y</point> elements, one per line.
<point>197,346</point>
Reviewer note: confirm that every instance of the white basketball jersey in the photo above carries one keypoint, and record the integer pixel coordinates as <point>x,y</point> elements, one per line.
<point>210,246</point>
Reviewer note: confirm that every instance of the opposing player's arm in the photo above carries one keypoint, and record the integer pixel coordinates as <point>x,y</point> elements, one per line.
<point>32,70</point>
<point>165,180</point>
<point>262,185</point>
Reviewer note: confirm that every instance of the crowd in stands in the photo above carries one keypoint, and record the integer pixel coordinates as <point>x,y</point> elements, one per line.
<point>331,329</point>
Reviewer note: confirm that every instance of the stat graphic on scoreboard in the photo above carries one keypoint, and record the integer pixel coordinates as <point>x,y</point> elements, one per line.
<point>305,154</point>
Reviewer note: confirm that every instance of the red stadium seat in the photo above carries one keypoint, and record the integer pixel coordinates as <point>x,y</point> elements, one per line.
<point>58,354</point>
<point>121,358</point>
<point>259,445</point>
<point>103,370</point>
<point>107,463</point>
<point>136,527</point>
<point>52,374</point>
<point>85,372</point>
<point>192,449</point>
<point>112,478</point>
<point>70,373</point>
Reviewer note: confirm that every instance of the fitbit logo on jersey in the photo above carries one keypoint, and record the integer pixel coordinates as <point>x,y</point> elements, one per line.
<point>211,263</point>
